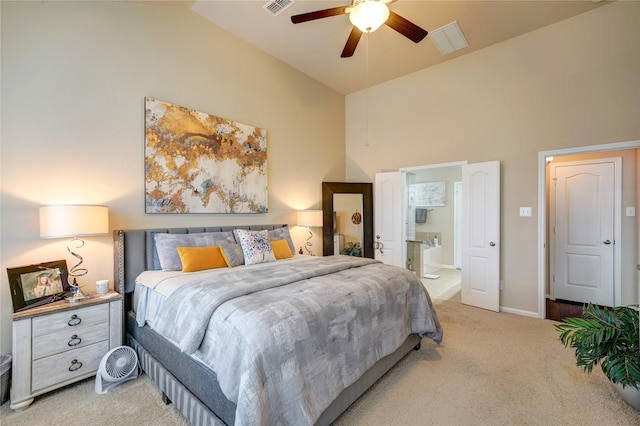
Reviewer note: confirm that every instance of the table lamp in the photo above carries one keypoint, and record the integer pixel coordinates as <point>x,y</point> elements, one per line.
<point>310,219</point>
<point>74,221</point>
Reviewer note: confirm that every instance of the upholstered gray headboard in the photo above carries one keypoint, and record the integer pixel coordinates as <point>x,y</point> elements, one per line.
<point>133,250</point>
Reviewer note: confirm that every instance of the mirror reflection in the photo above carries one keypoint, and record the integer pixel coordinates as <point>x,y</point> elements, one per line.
<point>347,222</point>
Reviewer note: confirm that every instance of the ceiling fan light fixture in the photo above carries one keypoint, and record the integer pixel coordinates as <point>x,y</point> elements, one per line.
<point>369,15</point>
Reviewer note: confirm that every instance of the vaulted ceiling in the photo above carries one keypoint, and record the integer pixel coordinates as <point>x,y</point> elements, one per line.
<point>314,47</point>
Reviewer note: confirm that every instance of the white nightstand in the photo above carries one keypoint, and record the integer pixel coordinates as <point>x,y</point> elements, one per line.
<point>60,343</point>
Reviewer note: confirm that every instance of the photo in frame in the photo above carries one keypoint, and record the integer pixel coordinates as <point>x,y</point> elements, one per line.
<point>38,284</point>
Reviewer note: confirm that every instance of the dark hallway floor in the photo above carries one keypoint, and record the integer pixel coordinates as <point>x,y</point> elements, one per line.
<point>559,309</point>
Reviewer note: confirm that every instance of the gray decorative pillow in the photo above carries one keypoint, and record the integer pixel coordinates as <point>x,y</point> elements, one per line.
<point>256,246</point>
<point>167,244</point>
<point>233,253</point>
<point>282,234</point>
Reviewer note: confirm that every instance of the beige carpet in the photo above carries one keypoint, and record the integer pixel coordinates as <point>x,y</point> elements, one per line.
<point>491,369</point>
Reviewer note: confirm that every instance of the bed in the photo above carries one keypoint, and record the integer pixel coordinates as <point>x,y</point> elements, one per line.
<point>291,341</point>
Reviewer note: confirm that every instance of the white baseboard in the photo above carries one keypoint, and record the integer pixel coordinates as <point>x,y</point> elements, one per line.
<point>519,312</point>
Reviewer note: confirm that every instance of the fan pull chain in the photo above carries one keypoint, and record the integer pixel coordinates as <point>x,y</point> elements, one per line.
<point>366,80</point>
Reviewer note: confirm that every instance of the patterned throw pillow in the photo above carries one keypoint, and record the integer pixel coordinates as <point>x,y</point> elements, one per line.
<point>233,252</point>
<point>256,246</point>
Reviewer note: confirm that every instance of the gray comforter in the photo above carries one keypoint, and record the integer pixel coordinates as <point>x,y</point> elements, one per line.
<point>284,355</point>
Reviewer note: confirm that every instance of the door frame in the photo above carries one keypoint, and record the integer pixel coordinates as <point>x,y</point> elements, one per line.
<point>457,225</point>
<point>543,267</point>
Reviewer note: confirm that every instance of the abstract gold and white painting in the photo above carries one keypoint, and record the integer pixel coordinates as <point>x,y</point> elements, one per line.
<point>199,163</point>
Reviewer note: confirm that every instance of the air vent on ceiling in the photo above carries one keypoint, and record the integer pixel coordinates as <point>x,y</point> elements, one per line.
<point>449,38</point>
<point>274,7</point>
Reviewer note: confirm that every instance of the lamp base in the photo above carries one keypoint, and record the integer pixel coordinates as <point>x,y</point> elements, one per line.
<point>78,298</point>
<point>76,292</point>
<point>77,295</point>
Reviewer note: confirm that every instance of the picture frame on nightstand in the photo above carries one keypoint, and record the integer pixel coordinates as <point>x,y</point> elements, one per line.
<point>38,284</point>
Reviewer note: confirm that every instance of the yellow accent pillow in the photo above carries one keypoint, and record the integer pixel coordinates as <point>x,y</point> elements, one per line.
<point>281,249</point>
<point>201,258</point>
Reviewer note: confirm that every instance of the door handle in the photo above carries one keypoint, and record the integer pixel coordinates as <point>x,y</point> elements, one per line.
<point>492,244</point>
<point>378,245</point>
<point>607,242</point>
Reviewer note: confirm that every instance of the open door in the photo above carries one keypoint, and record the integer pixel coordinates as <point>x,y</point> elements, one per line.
<point>481,235</point>
<point>389,217</point>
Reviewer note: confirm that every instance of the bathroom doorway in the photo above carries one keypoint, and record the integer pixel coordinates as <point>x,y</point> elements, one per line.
<point>433,247</point>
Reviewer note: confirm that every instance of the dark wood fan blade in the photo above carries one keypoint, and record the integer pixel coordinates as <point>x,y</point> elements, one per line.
<point>406,28</point>
<point>352,43</point>
<point>318,14</point>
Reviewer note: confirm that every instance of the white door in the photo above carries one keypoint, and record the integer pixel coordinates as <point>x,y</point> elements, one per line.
<point>389,218</point>
<point>582,195</point>
<point>481,235</point>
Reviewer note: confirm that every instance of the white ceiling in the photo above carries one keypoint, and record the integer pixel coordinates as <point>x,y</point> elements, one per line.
<point>314,47</point>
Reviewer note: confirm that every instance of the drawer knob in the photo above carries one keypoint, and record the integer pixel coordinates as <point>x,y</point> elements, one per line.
<point>75,340</point>
<point>74,320</point>
<point>75,365</point>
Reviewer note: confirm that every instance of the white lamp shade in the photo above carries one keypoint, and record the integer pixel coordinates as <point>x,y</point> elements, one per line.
<point>310,218</point>
<point>73,221</point>
<point>369,15</point>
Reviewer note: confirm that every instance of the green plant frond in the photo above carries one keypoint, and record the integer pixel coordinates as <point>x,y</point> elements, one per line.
<point>623,369</point>
<point>609,337</point>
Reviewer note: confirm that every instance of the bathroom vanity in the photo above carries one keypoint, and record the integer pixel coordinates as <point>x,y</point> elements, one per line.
<point>431,260</point>
<point>424,257</point>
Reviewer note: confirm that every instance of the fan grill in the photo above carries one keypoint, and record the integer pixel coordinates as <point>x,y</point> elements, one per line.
<point>121,363</point>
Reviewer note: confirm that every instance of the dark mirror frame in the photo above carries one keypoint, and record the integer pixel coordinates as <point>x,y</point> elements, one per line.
<point>366,190</point>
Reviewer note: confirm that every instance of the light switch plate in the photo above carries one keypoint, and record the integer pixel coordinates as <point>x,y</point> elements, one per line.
<point>631,211</point>
<point>525,211</point>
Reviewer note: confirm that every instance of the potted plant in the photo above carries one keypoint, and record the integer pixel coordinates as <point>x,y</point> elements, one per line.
<point>610,338</point>
<point>352,249</point>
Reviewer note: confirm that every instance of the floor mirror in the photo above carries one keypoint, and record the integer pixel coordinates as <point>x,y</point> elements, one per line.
<point>355,217</point>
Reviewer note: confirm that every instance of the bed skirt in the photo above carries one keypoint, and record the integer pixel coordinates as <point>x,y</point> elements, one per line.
<point>195,411</point>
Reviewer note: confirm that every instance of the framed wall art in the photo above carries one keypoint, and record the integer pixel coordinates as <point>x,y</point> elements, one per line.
<point>199,163</point>
<point>38,284</point>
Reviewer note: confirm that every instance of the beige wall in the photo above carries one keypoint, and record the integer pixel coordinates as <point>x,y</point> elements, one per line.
<point>74,76</point>
<point>571,84</point>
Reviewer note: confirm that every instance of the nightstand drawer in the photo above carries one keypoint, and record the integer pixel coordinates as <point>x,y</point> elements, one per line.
<point>67,365</point>
<point>68,340</point>
<point>68,320</point>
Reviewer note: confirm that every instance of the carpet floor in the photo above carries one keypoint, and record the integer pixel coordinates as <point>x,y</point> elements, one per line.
<point>491,369</point>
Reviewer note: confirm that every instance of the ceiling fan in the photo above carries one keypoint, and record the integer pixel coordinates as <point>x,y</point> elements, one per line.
<point>366,16</point>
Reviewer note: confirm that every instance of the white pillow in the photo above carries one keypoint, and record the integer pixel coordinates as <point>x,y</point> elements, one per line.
<point>256,246</point>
